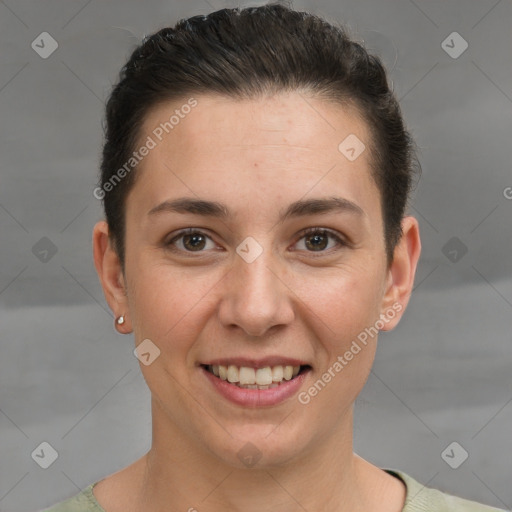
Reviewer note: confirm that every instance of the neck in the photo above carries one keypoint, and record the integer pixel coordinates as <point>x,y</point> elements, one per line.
<point>180,474</point>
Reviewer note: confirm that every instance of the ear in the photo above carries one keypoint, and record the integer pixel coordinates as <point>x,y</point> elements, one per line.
<point>401,272</point>
<point>108,267</point>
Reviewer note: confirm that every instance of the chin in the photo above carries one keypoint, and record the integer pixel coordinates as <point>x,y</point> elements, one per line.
<point>259,446</point>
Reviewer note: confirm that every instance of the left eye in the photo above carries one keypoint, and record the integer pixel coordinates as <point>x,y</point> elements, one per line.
<point>317,239</point>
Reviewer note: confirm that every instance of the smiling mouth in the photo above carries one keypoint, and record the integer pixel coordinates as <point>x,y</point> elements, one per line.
<point>256,378</point>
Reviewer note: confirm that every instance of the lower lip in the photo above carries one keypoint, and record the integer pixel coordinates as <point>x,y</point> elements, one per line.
<point>256,397</point>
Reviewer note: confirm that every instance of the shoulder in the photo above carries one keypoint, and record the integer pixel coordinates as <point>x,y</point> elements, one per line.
<point>82,502</point>
<point>425,499</point>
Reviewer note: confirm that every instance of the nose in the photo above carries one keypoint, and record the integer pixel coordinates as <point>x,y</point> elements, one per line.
<point>255,298</point>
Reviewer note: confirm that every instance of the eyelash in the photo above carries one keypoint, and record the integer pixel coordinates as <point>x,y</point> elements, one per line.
<point>309,231</point>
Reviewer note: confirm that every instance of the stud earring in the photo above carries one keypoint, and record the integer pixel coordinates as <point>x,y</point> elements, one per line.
<point>120,320</point>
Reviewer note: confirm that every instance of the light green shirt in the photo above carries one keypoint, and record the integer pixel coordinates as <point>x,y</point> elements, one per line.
<point>418,499</point>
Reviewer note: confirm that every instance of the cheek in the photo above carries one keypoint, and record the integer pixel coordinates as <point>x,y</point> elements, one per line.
<point>347,306</point>
<point>348,338</point>
<point>170,304</point>
<point>174,303</point>
<point>170,308</point>
<point>346,299</point>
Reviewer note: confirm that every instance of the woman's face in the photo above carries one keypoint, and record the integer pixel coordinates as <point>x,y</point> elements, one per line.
<point>249,288</point>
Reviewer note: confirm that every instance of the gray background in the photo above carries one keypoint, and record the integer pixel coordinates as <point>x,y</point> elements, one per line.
<point>443,375</point>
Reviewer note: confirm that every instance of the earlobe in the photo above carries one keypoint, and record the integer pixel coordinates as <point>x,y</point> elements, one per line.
<point>400,279</point>
<point>108,267</point>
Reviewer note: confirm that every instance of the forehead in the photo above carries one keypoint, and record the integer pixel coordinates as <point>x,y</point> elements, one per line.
<point>288,141</point>
<point>289,120</point>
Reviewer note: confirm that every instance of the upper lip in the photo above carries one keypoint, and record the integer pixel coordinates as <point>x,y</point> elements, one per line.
<point>256,363</point>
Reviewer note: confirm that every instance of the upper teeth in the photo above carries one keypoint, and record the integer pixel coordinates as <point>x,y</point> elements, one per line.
<point>259,376</point>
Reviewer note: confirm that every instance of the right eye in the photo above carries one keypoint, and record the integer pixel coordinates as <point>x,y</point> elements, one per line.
<point>190,240</point>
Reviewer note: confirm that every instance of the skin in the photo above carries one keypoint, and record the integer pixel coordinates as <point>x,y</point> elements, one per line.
<point>256,157</point>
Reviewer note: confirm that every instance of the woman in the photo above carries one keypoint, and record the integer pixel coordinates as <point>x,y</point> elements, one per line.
<point>255,178</point>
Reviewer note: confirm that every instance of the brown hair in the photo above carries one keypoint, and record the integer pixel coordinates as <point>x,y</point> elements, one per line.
<point>243,54</point>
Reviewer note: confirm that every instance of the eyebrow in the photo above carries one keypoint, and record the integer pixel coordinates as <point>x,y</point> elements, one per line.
<point>297,209</point>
